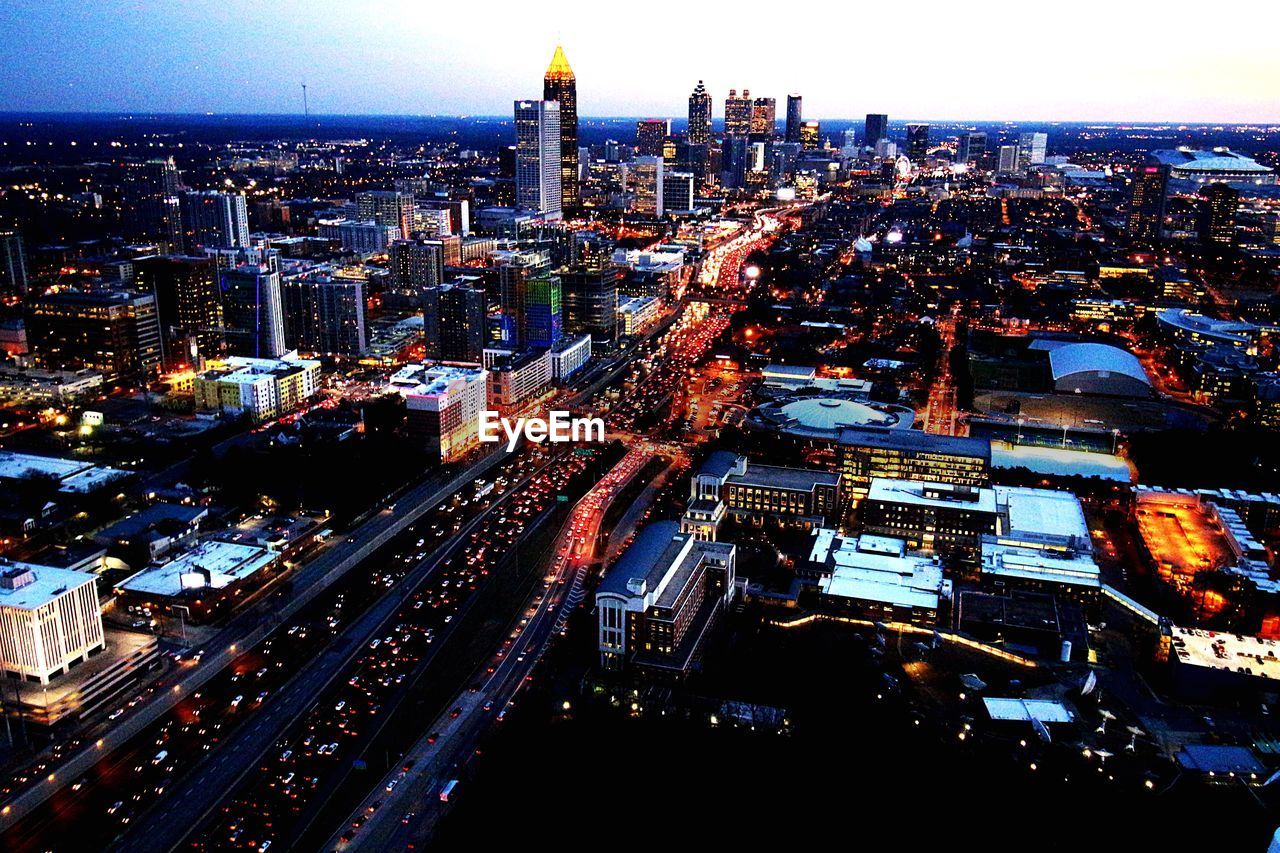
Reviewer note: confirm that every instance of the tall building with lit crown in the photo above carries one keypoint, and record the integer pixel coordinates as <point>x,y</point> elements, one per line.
<point>560,85</point>
<point>737,113</point>
<point>794,117</point>
<point>538,142</point>
<point>700,116</point>
<point>810,133</point>
<point>1147,201</point>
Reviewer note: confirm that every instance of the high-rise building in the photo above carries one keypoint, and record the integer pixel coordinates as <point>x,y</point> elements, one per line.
<point>1219,204</point>
<point>917,142</point>
<point>443,406</point>
<point>764,119</point>
<point>114,332</point>
<point>388,207</point>
<point>454,323</point>
<point>542,317</point>
<point>416,265</point>
<point>560,85</point>
<point>874,128</point>
<point>1007,159</point>
<point>538,157</point>
<point>188,304</point>
<point>647,176</point>
<point>972,148</point>
<point>737,113</point>
<point>13,264</point>
<point>699,116</point>
<point>651,135</point>
<point>1147,201</point>
<point>591,301</point>
<point>1031,149</point>
<point>810,135</point>
<point>214,219</point>
<point>794,118</point>
<point>324,315</point>
<point>150,209</point>
<point>252,311</point>
<point>677,191</point>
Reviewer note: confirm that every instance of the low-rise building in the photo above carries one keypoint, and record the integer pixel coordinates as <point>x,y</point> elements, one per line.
<point>657,603</point>
<point>729,486</point>
<point>516,379</point>
<point>259,388</point>
<point>444,403</point>
<point>874,578</point>
<point>200,583</point>
<point>569,355</point>
<point>49,620</point>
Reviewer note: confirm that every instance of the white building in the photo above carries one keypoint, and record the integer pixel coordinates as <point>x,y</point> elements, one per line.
<point>638,313</point>
<point>648,186</point>
<point>1031,149</point>
<point>444,403</point>
<point>875,577</point>
<point>49,620</point>
<point>262,388</point>
<point>538,157</point>
<point>569,355</point>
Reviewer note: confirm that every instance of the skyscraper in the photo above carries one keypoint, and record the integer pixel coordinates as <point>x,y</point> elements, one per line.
<point>13,264</point>
<point>538,157</point>
<point>1218,206</point>
<point>591,301</point>
<point>454,322</point>
<point>113,332</point>
<point>211,218</point>
<point>324,315</point>
<point>810,133</point>
<point>1146,204</point>
<point>188,304</point>
<point>388,207</point>
<point>252,311</point>
<point>764,118</point>
<point>737,113</point>
<point>1007,159</point>
<point>648,185</point>
<point>651,134</point>
<point>149,201</point>
<point>416,265</point>
<point>972,148</point>
<point>917,142</point>
<point>542,318</point>
<point>794,118</point>
<point>699,116</point>
<point>560,85</point>
<point>1031,149</point>
<point>875,128</point>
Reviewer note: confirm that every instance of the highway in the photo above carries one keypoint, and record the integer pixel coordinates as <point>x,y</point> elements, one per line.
<point>405,805</point>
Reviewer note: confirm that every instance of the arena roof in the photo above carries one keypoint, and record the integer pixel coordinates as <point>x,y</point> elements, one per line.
<point>1095,358</point>
<point>828,413</point>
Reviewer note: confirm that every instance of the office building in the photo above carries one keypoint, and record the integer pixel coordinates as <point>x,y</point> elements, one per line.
<point>214,219</point>
<point>560,85</point>
<point>764,119</point>
<point>538,170</point>
<point>656,605</point>
<point>651,137</point>
<point>542,315</point>
<point>443,405</point>
<point>930,517</point>
<point>188,305</point>
<point>1031,149</point>
<point>638,313</point>
<point>13,264</point>
<point>324,314</point>
<point>1147,202</point>
<point>260,389</point>
<point>647,177</point>
<point>1007,159</point>
<point>728,486</point>
<point>388,208</point>
<point>874,129</point>
<point>874,579</point>
<point>972,148</point>
<point>516,379</point>
<point>591,302</point>
<point>205,582</point>
<point>1219,204</point>
<point>49,620</point>
<point>700,116</point>
<point>150,208</point>
<point>416,265</point>
<point>116,333</point>
<point>794,118</point>
<point>454,322</point>
<point>917,142</point>
<point>677,191</point>
<point>569,355</point>
<point>252,313</point>
<point>810,135</point>
<point>737,113</point>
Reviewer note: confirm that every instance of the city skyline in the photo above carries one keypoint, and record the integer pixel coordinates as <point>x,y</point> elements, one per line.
<point>402,61</point>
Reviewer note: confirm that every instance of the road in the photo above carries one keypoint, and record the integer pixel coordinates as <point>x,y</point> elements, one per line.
<point>405,804</point>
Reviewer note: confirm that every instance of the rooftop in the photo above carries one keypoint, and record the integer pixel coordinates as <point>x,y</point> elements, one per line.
<point>432,380</point>
<point>1095,358</point>
<point>932,494</point>
<point>41,586</point>
<point>224,562</point>
<point>875,568</point>
<point>72,475</point>
<point>1255,656</point>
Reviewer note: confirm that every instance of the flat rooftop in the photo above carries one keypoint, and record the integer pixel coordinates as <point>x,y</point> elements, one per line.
<point>225,562</point>
<point>73,475</point>
<point>1026,710</point>
<point>1036,565</point>
<point>877,570</point>
<point>432,380</point>
<point>1044,511</point>
<point>1255,656</point>
<point>44,584</point>
<point>919,494</point>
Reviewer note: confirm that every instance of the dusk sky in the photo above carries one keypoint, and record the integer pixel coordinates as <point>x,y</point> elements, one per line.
<point>1090,60</point>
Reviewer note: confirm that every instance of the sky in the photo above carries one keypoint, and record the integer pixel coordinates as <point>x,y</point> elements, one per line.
<point>1086,61</point>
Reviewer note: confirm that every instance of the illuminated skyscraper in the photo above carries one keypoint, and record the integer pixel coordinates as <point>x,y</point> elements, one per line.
<point>651,134</point>
<point>699,116</point>
<point>542,317</point>
<point>648,185</point>
<point>917,142</point>
<point>737,113</point>
<point>13,264</point>
<point>188,304</point>
<point>875,128</point>
<point>561,86</point>
<point>972,148</point>
<point>214,219</point>
<point>388,207</point>
<point>1031,149</point>
<point>764,117</point>
<point>794,118</point>
<point>1146,204</point>
<point>538,157</point>
<point>810,131</point>
<point>149,201</point>
<point>1218,205</point>
<point>252,311</point>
